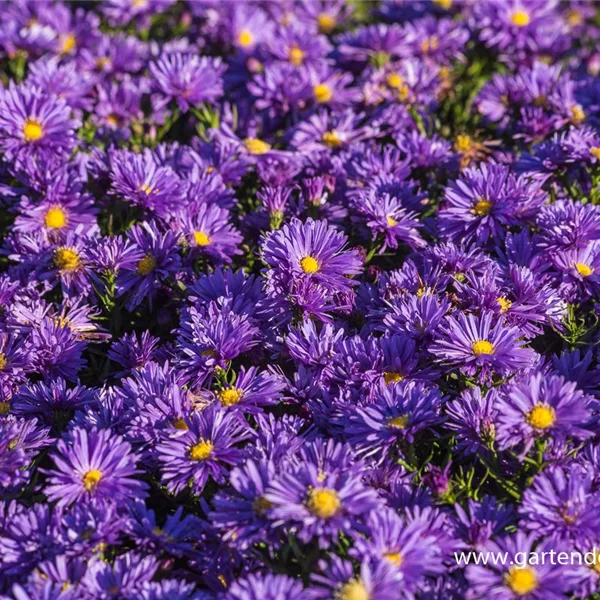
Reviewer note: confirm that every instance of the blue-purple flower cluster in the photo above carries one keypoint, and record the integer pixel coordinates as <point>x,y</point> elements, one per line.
<point>299,299</point>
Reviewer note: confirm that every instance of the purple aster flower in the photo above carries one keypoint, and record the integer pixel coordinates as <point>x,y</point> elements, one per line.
<point>201,450</point>
<point>562,503</point>
<point>96,464</point>
<point>485,201</point>
<point>409,549</point>
<point>511,582</point>
<point>63,81</point>
<point>208,231</point>
<point>482,521</point>
<point>321,500</point>
<point>52,401</point>
<point>474,344</point>
<point>330,132</point>
<point>156,258</point>
<point>134,352</point>
<point>473,417</point>
<point>385,216</point>
<point>542,406</point>
<point>118,107</point>
<point>35,123</point>
<point>211,337</point>
<point>521,29</point>
<point>312,250</point>
<point>242,512</point>
<point>398,412</point>
<point>142,181</point>
<point>186,78</point>
<point>252,390</point>
<point>175,536</point>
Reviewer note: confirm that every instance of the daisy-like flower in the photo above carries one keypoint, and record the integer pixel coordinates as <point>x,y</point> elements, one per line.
<point>562,503</point>
<point>188,79</point>
<point>202,449</point>
<point>155,258</point>
<point>398,412</point>
<point>35,123</point>
<point>409,549</point>
<point>485,200</point>
<point>251,390</point>
<point>542,406</point>
<point>474,344</point>
<point>545,581</point>
<point>321,498</point>
<point>95,464</point>
<point>312,250</point>
<point>143,181</point>
<point>242,511</point>
<point>209,231</point>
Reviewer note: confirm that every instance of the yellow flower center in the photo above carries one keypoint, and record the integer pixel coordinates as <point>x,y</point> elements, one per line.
<point>201,451</point>
<point>395,80</point>
<point>578,114</point>
<point>68,43</point>
<point>66,259</point>
<point>430,44</point>
<point>146,189</point>
<point>326,23</point>
<point>521,580</point>
<point>595,151</point>
<point>3,361</point>
<point>391,221</point>
<point>245,38</point>
<point>394,557</point>
<point>541,416</point>
<point>353,590</point>
<point>261,505</point>
<point>323,503</point>
<point>91,479</point>
<point>146,265</point>
<point>392,377</point>
<point>296,56</point>
<point>463,143</point>
<point>482,208</point>
<point>504,303</point>
<point>112,120</point>
<point>230,396</point>
<point>201,238</point>
<point>399,422</point>
<point>331,139</point>
<point>445,4</point>
<point>583,269</point>
<point>55,218</point>
<point>520,18</point>
<point>256,146</point>
<point>309,265</point>
<point>180,424</point>
<point>482,347</point>
<point>32,130</point>
<point>4,408</point>
<point>322,93</point>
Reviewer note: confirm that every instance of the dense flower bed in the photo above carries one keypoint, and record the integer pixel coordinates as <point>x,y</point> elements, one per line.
<point>298,299</point>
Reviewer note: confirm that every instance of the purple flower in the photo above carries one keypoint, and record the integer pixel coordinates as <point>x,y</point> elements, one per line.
<point>93,465</point>
<point>542,406</point>
<point>188,79</point>
<point>33,123</point>
<point>474,345</point>
<point>201,449</point>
